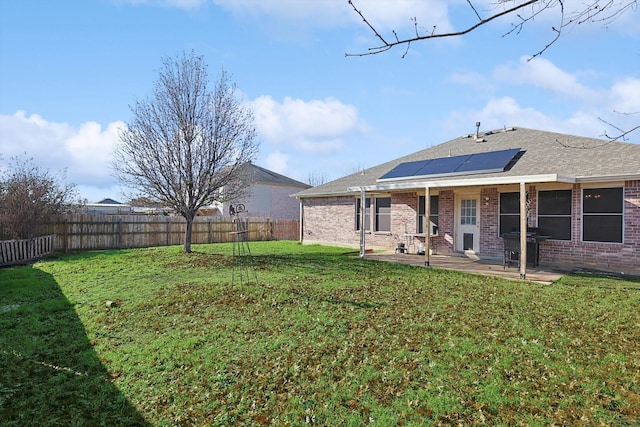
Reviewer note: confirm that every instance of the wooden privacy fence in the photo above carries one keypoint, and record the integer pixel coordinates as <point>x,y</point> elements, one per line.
<point>80,232</point>
<point>13,252</point>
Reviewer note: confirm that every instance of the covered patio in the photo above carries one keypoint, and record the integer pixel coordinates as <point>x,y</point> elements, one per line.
<point>459,262</point>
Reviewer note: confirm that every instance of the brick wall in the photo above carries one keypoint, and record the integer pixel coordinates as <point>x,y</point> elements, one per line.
<point>609,256</point>
<point>332,221</point>
<point>442,243</point>
<point>490,242</point>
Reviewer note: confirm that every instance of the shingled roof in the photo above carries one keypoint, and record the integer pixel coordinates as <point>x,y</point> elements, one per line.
<point>258,175</point>
<point>548,155</point>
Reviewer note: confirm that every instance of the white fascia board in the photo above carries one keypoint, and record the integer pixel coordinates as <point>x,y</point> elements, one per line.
<point>328,194</point>
<point>496,180</point>
<point>607,178</point>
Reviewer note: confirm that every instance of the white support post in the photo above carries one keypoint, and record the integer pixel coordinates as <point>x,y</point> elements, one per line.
<point>301,223</point>
<point>523,231</point>
<point>427,227</point>
<point>363,196</point>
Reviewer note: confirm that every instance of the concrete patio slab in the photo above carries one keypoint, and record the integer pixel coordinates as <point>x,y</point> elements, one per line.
<point>540,274</point>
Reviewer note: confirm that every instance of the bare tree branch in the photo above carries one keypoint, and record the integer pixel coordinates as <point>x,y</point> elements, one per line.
<point>622,134</point>
<point>590,12</point>
<point>386,45</point>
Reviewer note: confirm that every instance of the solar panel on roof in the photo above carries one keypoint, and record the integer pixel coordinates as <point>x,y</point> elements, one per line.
<point>442,165</point>
<point>493,161</point>
<point>405,169</point>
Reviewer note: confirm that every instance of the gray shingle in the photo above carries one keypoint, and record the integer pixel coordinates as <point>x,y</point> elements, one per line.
<point>544,153</point>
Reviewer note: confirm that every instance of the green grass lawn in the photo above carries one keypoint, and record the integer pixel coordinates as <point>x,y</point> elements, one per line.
<point>324,338</point>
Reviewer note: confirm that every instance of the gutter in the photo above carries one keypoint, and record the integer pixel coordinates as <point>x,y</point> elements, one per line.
<point>601,178</point>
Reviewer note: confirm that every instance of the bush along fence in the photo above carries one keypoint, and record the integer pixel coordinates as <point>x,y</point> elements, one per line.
<point>81,232</point>
<point>14,252</point>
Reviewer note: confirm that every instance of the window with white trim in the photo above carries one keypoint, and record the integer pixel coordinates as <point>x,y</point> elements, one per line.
<point>602,216</point>
<point>377,211</point>
<point>383,214</point>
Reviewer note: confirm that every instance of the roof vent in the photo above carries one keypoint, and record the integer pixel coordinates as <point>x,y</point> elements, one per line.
<point>477,137</point>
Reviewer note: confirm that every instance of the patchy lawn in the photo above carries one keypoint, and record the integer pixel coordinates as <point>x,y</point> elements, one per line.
<point>325,338</point>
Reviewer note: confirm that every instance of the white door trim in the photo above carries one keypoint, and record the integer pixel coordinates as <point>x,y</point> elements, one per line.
<point>462,229</point>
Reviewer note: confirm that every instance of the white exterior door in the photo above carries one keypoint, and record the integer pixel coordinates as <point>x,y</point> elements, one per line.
<point>468,223</point>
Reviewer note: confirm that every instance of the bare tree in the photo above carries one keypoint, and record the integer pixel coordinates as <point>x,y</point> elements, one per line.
<point>524,11</point>
<point>30,197</point>
<point>316,178</point>
<point>185,144</point>
<point>355,168</point>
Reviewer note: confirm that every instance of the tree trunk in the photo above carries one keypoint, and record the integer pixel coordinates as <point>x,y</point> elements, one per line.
<point>187,234</point>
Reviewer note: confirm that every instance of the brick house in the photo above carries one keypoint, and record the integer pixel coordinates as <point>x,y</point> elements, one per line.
<point>579,199</point>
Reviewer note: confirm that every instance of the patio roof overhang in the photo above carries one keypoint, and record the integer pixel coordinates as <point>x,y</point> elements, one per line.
<point>468,182</point>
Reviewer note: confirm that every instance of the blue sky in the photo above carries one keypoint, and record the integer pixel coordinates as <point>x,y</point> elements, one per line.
<point>69,70</point>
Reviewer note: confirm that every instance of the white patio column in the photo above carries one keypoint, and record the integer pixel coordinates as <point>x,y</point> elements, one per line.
<point>523,231</point>
<point>427,227</point>
<point>301,223</point>
<point>363,195</point>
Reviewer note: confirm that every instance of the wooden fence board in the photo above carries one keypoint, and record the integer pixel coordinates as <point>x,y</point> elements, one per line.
<point>82,232</point>
<point>14,252</point>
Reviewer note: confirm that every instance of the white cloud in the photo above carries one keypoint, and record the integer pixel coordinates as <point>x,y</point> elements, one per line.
<point>85,152</point>
<point>506,111</point>
<point>276,161</point>
<point>318,126</point>
<point>544,74</point>
<point>576,108</point>
<point>90,146</point>
<point>625,96</point>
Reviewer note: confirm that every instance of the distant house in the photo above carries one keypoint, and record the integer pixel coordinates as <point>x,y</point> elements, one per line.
<point>108,207</point>
<point>579,199</point>
<point>269,194</point>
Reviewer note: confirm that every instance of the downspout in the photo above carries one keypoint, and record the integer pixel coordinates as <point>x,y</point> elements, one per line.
<point>362,227</point>
<point>523,231</point>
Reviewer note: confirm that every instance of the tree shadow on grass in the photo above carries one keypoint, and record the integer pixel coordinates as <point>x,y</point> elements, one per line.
<point>49,372</point>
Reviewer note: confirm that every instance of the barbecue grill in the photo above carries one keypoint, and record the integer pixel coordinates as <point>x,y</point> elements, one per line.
<point>512,247</point>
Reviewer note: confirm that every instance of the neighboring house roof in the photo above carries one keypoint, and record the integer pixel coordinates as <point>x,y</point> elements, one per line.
<point>107,201</point>
<point>258,175</point>
<point>545,157</point>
